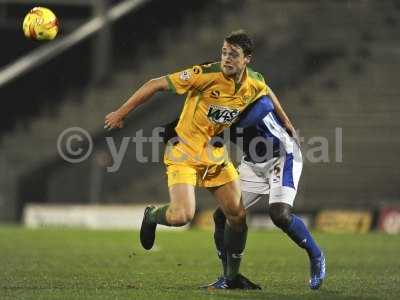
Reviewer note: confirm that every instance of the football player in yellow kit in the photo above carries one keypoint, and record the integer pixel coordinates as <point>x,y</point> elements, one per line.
<point>216,94</point>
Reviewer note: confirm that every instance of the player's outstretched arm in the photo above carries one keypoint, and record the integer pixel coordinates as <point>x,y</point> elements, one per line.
<point>143,94</point>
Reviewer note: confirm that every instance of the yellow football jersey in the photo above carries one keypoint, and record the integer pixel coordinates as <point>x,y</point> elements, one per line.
<point>213,101</point>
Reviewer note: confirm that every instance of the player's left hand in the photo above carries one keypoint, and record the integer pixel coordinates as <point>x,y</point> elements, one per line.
<point>113,120</point>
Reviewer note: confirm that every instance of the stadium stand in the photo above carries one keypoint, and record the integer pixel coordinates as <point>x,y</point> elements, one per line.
<point>335,68</point>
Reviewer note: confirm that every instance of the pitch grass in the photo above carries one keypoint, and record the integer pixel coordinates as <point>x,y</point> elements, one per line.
<point>79,264</point>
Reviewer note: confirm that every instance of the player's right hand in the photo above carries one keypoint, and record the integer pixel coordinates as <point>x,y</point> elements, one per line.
<point>113,120</point>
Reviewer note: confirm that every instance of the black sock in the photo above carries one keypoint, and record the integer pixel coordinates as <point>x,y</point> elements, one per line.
<point>219,232</point>
<point>234,242</point>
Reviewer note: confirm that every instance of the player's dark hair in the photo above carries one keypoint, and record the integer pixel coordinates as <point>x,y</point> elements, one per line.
<point>241,38</point>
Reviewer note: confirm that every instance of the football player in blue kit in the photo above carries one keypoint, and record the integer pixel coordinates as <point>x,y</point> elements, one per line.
<point>271,164</point>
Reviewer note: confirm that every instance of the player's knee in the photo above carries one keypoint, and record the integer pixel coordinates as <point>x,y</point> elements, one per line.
<point>280,214</point>
<point>234,210</point>
<point>219,217</point>
<point>237,217</point>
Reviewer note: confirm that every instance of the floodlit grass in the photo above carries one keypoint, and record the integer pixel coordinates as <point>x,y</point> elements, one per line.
<point>79,264</point>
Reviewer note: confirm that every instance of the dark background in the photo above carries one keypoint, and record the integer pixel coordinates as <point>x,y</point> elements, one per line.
<point>333,64</point>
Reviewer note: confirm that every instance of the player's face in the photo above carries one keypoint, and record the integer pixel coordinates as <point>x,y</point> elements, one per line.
<point>233,60</point>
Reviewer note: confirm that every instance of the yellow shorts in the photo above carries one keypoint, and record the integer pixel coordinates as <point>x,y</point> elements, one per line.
<point>212,176</point>
<point>199,173</point>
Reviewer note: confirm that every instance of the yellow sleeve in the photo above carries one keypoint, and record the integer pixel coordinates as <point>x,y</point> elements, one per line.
<point>262,87</point>
<point>186,80</point>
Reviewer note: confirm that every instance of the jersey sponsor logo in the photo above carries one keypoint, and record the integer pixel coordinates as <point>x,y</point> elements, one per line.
<point>185,75</point>
<point>215,94</point>
<point>196,70</point>
<point>222,115</point>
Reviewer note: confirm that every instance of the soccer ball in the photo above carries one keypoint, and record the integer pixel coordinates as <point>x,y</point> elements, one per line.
<point>40,23</point>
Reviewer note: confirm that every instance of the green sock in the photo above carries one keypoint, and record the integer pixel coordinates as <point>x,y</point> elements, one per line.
<point>235,242</point>
<point>159,215</point>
